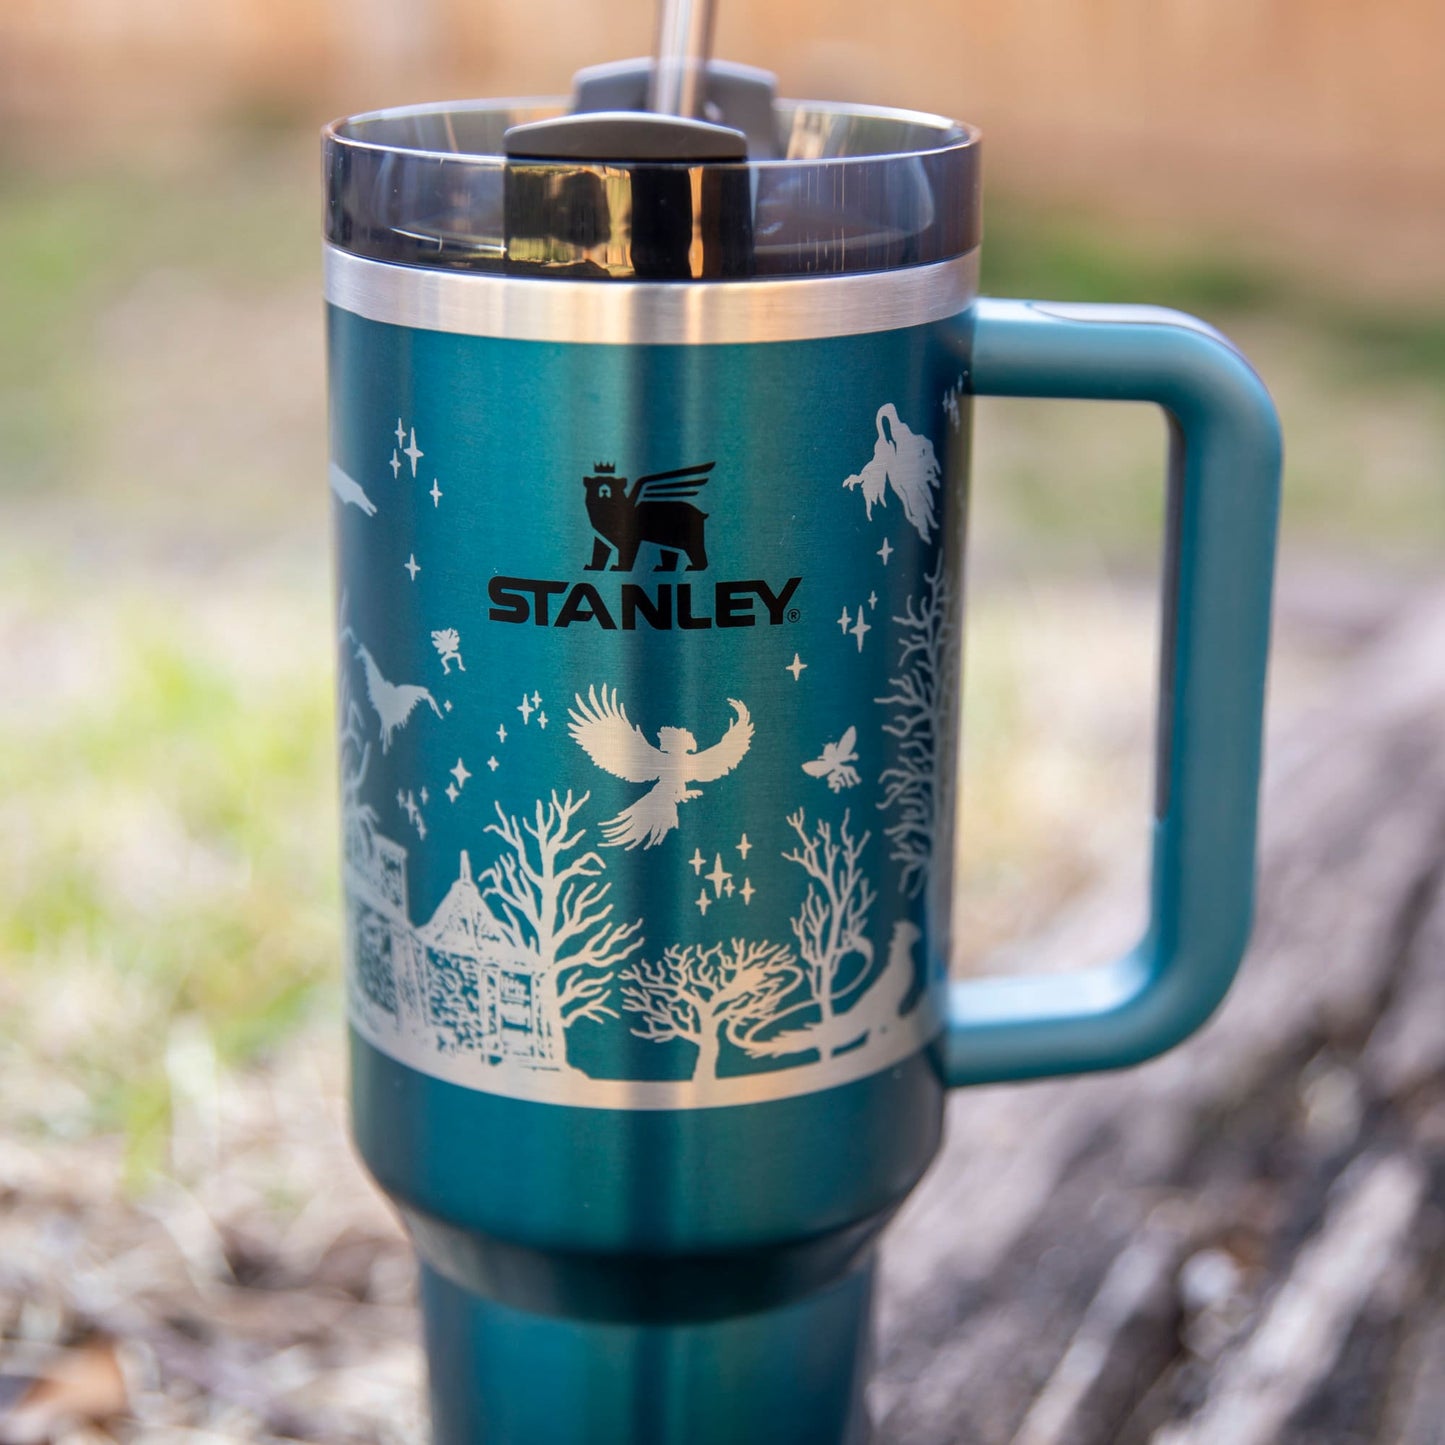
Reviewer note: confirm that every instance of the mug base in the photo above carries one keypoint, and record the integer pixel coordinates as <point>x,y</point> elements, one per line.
<point>793,1375</point>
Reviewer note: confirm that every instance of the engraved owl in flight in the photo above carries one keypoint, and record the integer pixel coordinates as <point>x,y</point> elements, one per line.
<point>604,731</point>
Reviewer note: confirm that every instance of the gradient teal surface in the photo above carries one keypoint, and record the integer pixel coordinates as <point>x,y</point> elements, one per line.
<point>581,1262</point>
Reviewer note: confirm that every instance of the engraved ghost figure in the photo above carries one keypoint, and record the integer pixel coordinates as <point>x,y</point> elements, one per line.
<point>905,460</point>
<point>602,728</point>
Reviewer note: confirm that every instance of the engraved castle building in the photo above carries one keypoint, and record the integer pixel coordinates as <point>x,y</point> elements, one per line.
<point>455,981</point>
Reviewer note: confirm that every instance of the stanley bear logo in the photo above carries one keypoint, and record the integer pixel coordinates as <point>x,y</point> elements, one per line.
<point>658,509</point>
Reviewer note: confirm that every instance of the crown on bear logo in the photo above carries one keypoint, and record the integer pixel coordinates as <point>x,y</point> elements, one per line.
<point>606,467</point>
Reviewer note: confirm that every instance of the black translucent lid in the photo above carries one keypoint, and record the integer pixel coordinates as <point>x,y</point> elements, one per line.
<point>825,189</point>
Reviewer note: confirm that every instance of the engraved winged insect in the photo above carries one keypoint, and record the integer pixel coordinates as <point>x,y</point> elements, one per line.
<point>394,702</point>
<point>836,762</point>
<point>904,460</point>
<point>604,731</point>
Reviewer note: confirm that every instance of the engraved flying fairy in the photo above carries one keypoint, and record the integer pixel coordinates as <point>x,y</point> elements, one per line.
<point>604,731</point>
<point>905,460</point>
<point>836,761</point>
<point>394,702</point>
<point>448,644</point>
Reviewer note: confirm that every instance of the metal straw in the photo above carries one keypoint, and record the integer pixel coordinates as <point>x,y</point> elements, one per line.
<point>684,42</point>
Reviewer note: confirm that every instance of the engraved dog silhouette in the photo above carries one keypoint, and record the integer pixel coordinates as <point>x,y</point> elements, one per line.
<point>656,510</point>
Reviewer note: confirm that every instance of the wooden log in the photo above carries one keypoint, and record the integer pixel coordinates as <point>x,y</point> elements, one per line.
<point>1235,1242</point>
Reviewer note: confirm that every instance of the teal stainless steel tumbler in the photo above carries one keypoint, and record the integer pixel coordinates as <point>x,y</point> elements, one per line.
<point>649,453</point>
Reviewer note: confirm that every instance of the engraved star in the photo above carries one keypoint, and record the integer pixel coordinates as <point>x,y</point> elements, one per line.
<point>536,699</point>
<point>718,876</point>
<point>460,773</point>
<point>400,798</point>
<point>844,620</point>
<point>541,719</point>
<point>413,451</point>
<point>493,764</point>
<point>448,704</point>
<point>728,886</point>
<point>860,629</point>
<point>696,861</point>
<point>872,600</point>
<point>400,433</point>
<point>796,667</point>
<point>411,565</point>
<point>452,791</point>
<point>747,890</point>
<point>885,551</point>
<point>424,797</point>
<point>436,493</point>
<point>395,465</point>
<point>703,902</point>
<point>501,732</point>
<point>526,708</point>
<point>744,847</point>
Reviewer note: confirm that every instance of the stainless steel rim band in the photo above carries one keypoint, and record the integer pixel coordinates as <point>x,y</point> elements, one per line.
<point>666,313</point>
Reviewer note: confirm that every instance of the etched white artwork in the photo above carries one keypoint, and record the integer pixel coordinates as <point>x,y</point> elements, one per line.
<point>413,452</point>
<point>860,629</point>
<point>393,702</point>
<point>918,694</point>
<point>835,764</point>
<point>552,910</point>
<point>349,491</point>
<point>408,804</point>
<point>819,997</point>
<point>448,644</point>
<point>830,930</point>
<point>509,961</point>
<point>720,878</point>
<point>600,725</point>
<point>904,460</point>
<point>692,992</point>
<point>951,404</point>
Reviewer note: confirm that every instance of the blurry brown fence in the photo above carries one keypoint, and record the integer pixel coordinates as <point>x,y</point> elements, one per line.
<point>1322,120</point>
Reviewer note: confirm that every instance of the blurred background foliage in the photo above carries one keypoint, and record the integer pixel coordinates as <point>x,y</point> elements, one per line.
<point>166,832</point>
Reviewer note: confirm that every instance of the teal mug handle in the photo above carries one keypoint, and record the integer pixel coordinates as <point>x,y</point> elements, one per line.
<point>1224,483</point>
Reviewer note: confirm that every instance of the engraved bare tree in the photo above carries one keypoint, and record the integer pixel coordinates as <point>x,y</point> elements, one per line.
<point>833,946</point>
<point>553,911</point>
<point>691,992</point>
<point>916,699</point>
<point>353,753</point>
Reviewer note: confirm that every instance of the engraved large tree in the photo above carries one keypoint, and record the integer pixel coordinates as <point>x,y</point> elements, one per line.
<point>831,925</point>
<point>917,696</point>
<point>554,913</point>
<point>353,754</point>
<point>691,992</point>
<point>836,956</point>
<point>353,751</point>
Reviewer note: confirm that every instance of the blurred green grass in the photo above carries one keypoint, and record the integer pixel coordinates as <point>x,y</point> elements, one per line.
<point>166,828</point>
<point>166,846</point>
